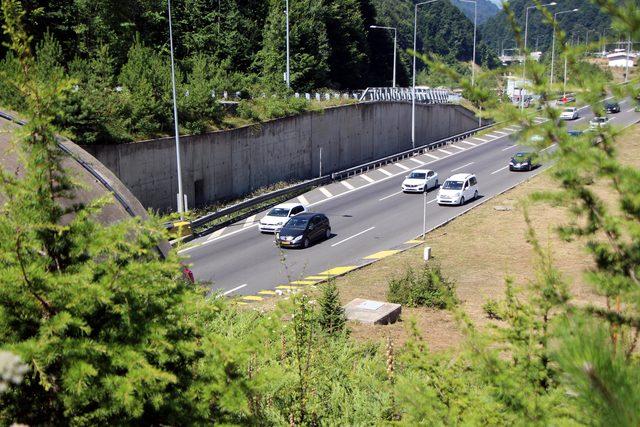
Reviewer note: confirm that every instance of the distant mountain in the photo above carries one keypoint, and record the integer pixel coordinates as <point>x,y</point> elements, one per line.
<point>486,9</point>
<point>496,31</point>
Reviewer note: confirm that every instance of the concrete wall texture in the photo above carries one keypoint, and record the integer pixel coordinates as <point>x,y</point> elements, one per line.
<point>232,163</point>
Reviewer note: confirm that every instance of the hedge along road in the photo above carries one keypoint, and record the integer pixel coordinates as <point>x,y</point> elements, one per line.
<point>370,217</point>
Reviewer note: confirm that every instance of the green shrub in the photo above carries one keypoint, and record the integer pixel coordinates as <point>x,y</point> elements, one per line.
<point>425,288</point>
<point>331,317</point>
<point>492,309</point>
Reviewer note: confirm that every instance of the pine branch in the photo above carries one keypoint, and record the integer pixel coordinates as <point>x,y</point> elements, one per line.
<point>611,316</point>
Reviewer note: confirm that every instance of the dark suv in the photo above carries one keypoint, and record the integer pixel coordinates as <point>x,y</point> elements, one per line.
<point>612,107</point>
<point>303,229</point>
<point>524,162</point>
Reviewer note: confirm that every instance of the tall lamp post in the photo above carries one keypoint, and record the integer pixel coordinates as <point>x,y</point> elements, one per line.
<point>475,32</point>
<point>413,90</point>
<point>395,45</point>
<point>526,33</point>
<point>553,43</point>
<point>287,76</point>
<point>175,117</point>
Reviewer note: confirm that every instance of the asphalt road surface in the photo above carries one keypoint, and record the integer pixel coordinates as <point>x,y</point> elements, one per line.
<point>370,217</point>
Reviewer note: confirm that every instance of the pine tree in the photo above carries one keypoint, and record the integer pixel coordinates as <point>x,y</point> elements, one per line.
<point>331,317</point>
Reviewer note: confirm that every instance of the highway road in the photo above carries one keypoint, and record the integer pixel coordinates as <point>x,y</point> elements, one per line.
<point>370,217</point>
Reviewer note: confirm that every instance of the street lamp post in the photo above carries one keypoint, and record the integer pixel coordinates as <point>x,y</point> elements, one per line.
<point>553,44</point>
<point>413,90</point>
<point>524,62</point>
<point>475,31</point>
<point>175,117</point>
<point>288,80</point>
<point>395,45</point>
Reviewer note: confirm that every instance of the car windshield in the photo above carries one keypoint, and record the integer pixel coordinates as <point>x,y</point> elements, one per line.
<point>278,212</point>
<point>417,175</point>
<point>452,185</point>
<point>297,223</point>
<point>611,104</point>
<point>521,156</point>
<point>569,110</point>
<point>600,119</point>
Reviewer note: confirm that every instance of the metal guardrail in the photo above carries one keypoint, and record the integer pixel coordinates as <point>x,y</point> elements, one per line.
<point>408,153</point>
<point>82,163</point>
<point>257,203</point>
<point>423,95</point>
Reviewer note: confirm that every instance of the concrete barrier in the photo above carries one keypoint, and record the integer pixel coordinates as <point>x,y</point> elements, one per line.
<point>229,164</point>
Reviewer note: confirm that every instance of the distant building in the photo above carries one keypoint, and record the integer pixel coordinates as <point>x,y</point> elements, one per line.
<point>619,58</point>
<point>517,87</point>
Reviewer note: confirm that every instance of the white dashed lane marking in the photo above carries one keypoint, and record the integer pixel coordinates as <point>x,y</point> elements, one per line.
<point>493,136</point>
<point>249,221</point>
<point>216,233</point>
<point>325,192</point>
<point>480,139</point>
<point>418,161</point>
<point>462,167</point>
<point>499,170</point>
<point>348,185</point>
<point>384,171</point>
<point>500,133</point>
<point>303,200</point>
<point>509,147</point>
<point>430,155</point>
<point>456,147</point>
<point>445,151</point>
<point>469,143</point>
<point>401,166</point>
<point>367,178</point>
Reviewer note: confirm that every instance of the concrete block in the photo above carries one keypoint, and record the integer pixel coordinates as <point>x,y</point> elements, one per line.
<point>372,312</point>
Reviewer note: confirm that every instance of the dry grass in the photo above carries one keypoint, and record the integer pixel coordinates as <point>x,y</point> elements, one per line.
<point>478,250</point>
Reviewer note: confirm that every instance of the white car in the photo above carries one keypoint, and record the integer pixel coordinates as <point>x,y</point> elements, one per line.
<point>598,122</point>
<point>278,216</point>
<point>420,180</point>
<point>570,113</point>
<point>458,189</point>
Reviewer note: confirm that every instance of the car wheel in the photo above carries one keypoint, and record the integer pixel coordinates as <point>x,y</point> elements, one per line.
<point>327,234</point>
<point>305,242</point>
<point>461,200</point>
<point>530,167</point>
<point>475,195</point>
<point>436,185</point>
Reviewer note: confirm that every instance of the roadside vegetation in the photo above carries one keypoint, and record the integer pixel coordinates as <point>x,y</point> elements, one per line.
<point>111,334</point>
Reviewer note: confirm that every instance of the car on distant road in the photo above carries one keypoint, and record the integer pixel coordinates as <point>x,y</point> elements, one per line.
<point>524,161</point>
<point>570,113</point>
<point>303,229</point>
<point>598,122</point>
<point>458,189</point>
<point>575,133</point>
<point>278,216</point>
<point>420,180</point>
<point>612,107</point>
<point>566,99</point>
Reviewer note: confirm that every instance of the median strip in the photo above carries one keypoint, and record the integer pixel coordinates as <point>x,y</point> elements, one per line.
<point>338,271</point>
<point>382,254</point>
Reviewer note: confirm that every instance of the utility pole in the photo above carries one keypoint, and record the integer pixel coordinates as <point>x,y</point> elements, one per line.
<point>553,44</point>
<point>175,117</point>
<point>288,79</point>
<point>395,45</point>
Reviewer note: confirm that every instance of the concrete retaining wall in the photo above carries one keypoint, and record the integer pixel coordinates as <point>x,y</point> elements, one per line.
<point>232,163</point>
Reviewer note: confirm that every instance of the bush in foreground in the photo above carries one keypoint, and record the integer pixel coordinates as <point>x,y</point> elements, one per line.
<point>424,288</point>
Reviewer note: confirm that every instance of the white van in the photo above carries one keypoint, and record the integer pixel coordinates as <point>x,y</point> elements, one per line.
<point>458,189</point>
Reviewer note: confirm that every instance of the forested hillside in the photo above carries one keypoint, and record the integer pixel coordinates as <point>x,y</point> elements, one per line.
<point>486,9</point>
<point>497,31</point>
<point>225,45</point>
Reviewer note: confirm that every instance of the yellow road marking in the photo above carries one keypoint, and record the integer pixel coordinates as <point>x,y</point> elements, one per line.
<point>413,242</point>
<point>381,254</point>
<point>303,282</point>
<point>317,278</point>
<point>267,292</point>
<point>288,288</point>
<point>338,270</point>
<point>252,298</point>
<point>241,303</point>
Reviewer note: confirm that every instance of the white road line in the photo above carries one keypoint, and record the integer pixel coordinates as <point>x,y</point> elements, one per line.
<point>325,192</point>
<point>512,128</point>
<point>499,170</point>
<point>509,147</point>
<point>348,185</point>
<point>455,146</point>
<point>303,200</point>
<point>234,289</point>
<point>493,136</point>
<point>367,178</point>
<point>469,143</point>
<point>417,161</point>
<point>349,238</point>
<point>580,118</point>
<point>386,172</point>
<point>249,221</point>
<point>500,133</point>
<point>480,139</point>
<point>431,201</point>
<point>462,167</point>
<point>428,155</point>
<point>401,166</point>
<point>216,233</point>
<point>445,151</point>
<point>630,110</point>
<point>389,196</point>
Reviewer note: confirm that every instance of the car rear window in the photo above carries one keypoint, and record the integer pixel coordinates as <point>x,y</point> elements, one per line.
<point>417,175</point>
<point>452,185</point>
<point>297,223</point>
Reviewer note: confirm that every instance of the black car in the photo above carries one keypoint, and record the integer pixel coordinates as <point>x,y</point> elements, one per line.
<point>303,229</point>
<point>612,107</point>
<point>523,162</point>
<point>575,133</point>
